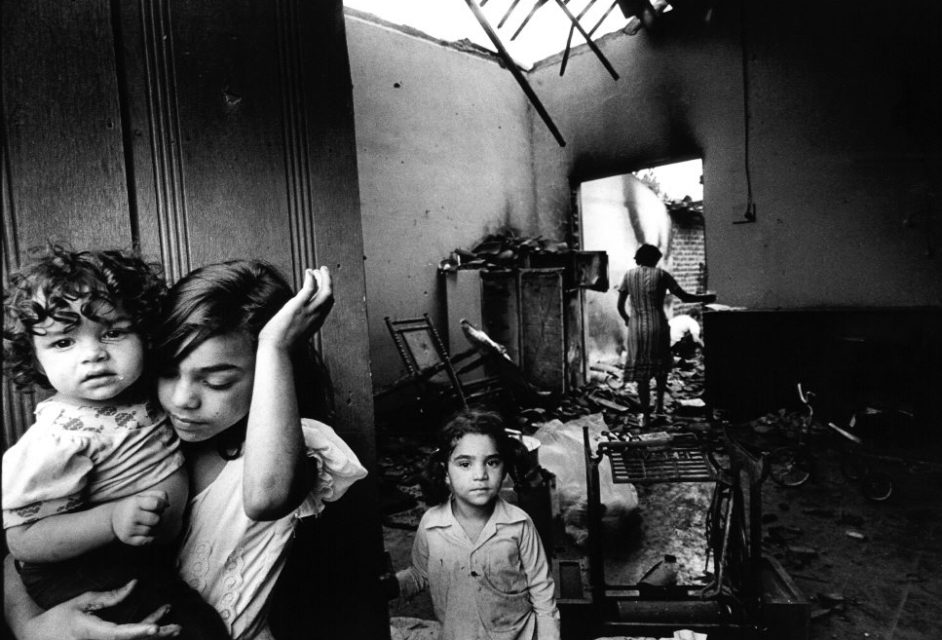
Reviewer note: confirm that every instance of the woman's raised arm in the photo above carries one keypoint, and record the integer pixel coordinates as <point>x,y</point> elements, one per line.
<point>277,472</point>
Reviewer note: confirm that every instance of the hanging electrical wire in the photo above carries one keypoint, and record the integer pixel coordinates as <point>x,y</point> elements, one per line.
<point>750,213</point>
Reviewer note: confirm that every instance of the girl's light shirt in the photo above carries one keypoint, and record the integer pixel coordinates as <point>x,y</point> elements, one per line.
<point>234,561</point>
<point>76,456</point>
<point>496,588</point>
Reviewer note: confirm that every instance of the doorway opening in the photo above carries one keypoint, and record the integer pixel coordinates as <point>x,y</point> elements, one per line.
<point>660,205</point>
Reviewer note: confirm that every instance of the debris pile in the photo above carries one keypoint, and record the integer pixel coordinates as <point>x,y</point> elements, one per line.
<point>503,249</point>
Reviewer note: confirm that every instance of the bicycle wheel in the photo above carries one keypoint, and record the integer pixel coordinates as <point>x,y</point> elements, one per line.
<point>789,467</point>
<point>877,486</point>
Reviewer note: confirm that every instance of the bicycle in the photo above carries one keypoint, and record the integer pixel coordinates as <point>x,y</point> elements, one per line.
<point>793,465</point>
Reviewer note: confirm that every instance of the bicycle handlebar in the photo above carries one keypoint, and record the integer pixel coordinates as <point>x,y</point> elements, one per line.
<point>845,433</point>
<point>805,396</point>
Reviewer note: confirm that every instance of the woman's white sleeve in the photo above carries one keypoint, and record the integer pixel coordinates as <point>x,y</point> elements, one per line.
<point>337,466</point>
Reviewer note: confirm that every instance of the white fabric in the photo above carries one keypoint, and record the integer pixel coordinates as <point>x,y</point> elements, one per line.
<point>234,561</point>
<point>497,587</point>
<point>74,456</point>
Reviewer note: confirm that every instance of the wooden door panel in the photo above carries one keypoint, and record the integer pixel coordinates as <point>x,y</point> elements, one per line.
<point>69,182</point>
<point>227,72</point>
<point>208,150</point>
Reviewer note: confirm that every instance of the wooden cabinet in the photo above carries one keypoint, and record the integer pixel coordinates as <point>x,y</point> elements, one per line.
<point>521,309</point>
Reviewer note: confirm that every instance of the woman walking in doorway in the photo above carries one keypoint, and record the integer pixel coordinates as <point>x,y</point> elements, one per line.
<point>648,343</point>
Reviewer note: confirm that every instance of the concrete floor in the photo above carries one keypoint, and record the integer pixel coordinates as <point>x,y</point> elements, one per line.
<point>889,583</point>
<point>872,571</point>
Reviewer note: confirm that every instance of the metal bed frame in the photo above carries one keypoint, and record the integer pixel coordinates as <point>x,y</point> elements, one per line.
<point>730,607</point>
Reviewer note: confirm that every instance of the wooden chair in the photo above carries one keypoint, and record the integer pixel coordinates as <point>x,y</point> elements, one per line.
<point>434,372</point>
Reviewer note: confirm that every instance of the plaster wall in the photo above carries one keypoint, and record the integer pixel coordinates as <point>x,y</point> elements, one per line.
<point>844,144</point>
<point>444,157</point>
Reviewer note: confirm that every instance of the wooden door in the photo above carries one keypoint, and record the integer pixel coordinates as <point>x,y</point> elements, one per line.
<point>203,131</point>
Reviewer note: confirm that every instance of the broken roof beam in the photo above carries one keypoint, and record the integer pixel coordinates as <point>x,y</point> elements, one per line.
<point>572,32</point>
<point>575,23</point>
<point>537,5</point>
<point>515,71</point>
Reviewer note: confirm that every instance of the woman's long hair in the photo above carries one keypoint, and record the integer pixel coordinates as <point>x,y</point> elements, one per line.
<point>238,296</point>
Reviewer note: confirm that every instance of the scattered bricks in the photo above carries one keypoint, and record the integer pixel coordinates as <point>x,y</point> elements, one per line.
<point>832,600</point>
<point>801,554</point>
<point>819,613</point>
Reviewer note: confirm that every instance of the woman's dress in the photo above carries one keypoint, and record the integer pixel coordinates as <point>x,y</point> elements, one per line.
<point>648,344</point>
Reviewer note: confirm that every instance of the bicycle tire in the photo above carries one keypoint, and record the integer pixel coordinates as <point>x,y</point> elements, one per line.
<point>877,486</point>
<point>789,467</point>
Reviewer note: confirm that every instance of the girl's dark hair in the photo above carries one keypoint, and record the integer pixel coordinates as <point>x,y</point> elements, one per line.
<point>648,255</point>
<point>238,296</point>
<point>487,423</point>
<point>57,276</point>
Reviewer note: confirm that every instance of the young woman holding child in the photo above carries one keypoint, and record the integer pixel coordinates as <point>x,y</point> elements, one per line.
<point>229,350</point>
<point>480,556</point>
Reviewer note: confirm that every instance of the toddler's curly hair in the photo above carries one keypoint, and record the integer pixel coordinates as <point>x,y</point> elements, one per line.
<point>57,276</point>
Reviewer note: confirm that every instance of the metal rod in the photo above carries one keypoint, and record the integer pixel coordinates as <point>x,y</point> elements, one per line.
<point>605,15</point>
<point>513,5</point>
<point>512,67</point>
<point>572,30</point>
<point>537,5</point>
<point>595,49</point>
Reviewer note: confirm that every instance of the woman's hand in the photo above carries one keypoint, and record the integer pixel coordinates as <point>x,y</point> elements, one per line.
<point>276,472</point>
<point>75,620</point>
<point>303,314</point>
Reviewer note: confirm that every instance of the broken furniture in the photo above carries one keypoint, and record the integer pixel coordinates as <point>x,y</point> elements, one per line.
<point>436,375</point>
<point>750,596</point>
<point>521,309</point>
<point>496,359</point>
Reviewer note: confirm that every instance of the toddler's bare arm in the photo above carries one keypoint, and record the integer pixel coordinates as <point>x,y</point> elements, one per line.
<point>63,536</point>
<point>152,515</point>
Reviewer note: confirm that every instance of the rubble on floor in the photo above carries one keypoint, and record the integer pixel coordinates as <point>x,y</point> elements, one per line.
<point>869,569</point>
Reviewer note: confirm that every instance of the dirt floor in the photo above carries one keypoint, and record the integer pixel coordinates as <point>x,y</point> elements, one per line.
<point>870,570</point>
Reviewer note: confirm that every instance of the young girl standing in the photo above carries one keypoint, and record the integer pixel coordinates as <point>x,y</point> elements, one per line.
<point>481,556</point>
<point>94,491</point>
<point>232,348</point>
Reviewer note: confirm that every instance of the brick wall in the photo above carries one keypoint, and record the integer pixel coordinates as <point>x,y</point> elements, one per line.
<point>687,256</point>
